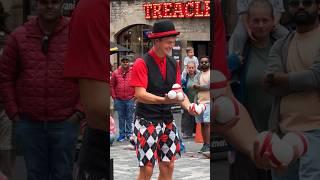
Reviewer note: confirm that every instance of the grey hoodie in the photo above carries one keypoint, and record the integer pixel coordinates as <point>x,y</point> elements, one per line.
<point>298,81</point>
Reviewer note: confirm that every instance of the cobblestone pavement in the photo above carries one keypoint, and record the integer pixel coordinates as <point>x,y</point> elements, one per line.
<point>191,166</point>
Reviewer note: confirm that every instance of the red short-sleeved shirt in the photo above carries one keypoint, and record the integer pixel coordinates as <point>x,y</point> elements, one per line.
<point>219,48</point>
<point>140,71</point>
<point>88,46</point>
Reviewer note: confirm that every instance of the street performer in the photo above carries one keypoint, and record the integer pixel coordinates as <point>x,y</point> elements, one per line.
<point>153,77</point>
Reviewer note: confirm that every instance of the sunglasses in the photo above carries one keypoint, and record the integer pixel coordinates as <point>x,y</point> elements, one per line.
<point>305,3</point>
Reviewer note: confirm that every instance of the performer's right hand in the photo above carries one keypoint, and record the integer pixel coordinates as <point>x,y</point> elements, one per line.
<point>167,100</point>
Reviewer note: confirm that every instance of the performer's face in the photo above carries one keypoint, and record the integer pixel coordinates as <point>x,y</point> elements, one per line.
<point>166,44</point>
<point>260,21</point>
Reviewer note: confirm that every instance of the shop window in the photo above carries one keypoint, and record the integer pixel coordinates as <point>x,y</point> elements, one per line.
<point>135,38</point>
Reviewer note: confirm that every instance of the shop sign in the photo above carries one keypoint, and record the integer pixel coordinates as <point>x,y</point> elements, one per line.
<point>190,9</point>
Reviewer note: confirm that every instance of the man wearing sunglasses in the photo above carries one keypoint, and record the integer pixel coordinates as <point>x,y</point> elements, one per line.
<point>43,105</point>
<point>202,85</point>
<point>293,77</point>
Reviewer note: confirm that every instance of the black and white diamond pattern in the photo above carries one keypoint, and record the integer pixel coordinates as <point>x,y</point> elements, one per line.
<point>158,142</point>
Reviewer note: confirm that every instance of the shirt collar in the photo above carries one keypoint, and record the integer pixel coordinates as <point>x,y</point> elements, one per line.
<point>155,57</point>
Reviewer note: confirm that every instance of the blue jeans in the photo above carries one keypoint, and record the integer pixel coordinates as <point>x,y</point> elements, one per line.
<point>308,166</point>
<point>125,116</point>
<point>48,148</point>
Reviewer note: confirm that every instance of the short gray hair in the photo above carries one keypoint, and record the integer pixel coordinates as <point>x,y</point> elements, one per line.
<point>260,3</point>
<point>191,62</point>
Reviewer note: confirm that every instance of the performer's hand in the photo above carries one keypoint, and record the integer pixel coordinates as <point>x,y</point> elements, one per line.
<point>261,162</point>
<point>192,112</point>
<point>171,101</point>
<point>264,162</point>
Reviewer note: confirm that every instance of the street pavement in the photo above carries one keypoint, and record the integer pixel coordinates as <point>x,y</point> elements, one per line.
<point>191,165</point>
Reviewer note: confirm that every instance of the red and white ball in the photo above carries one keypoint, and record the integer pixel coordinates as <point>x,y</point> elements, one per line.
<point>281,153</point>
<point>180,96</point>
<point>297,139</point>
<point>176,92</point>
<point>266,139</point>
<point>195,108</point>
<point>228,109</point>
<point>203,107</point>
<point>218,84</point>
<point>198,109</point>
<point>192,106</point>
<point>176,87</point>
<point>172,94</point>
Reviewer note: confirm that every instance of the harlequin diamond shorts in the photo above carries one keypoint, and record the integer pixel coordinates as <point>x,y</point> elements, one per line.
<point>156,141</point>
